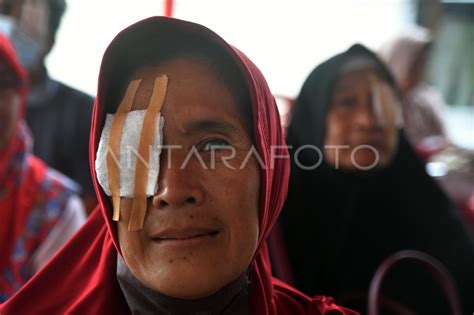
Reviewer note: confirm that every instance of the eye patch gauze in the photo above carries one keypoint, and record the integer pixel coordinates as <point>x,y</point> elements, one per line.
<point>127,163</point>
<point>384,103</point>
<point>128,154</point>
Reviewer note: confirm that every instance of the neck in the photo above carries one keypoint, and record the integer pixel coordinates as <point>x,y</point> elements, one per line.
<point>38,76</point>
<point>232,299</point>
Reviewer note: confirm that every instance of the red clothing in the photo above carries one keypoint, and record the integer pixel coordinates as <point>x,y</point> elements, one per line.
<point>81,279</point>
<point>32,197</point>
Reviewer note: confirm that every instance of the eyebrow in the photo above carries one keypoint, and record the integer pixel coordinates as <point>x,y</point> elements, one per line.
<point>211,125</point>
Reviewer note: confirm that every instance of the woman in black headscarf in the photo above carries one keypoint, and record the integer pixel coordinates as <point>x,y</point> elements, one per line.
<point>358,192</point>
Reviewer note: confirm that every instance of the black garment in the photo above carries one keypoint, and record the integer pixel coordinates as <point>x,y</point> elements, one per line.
<point>232,299</point>
<point>339,226</point>
<point>60,121</point>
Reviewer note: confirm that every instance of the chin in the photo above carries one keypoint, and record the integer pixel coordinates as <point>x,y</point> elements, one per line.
<point>190,284</point>
<point>184,277</point>
<point>367,160</point>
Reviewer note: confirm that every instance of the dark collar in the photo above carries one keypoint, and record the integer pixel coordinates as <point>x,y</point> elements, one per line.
<point>43,91</point>
<point>232,299</point>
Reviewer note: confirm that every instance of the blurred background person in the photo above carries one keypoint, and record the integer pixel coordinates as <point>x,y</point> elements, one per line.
<point>58,116</point>
<point>350,208</point>
<point>39,207</point>
<point>450,69</point>
<point>406,56</point>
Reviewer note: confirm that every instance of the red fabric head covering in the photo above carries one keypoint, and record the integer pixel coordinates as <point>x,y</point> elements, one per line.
<point>31,197</point>
<point>12,158</point>
<point>82,277</point>
<point>9,59</point>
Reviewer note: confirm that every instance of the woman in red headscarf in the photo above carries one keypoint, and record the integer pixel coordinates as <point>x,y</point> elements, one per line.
<point>39,207</point>
<point>200,246</point>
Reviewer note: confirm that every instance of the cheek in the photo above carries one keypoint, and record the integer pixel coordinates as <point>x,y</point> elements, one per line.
<point>391,144</point>
<point>337,134</point>
<point>239,195</point>
<point>242,192</point>
<point>131,243</point>
<point>337,127</point>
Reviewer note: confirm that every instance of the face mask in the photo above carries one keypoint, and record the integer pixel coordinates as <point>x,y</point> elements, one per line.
<point>27,48</point>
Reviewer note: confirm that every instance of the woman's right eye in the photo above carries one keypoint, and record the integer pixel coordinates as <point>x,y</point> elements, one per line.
<point>215,144</point>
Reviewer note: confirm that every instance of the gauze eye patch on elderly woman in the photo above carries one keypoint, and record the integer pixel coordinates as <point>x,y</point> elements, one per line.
<point>127,163</point>
<point>384,103</point>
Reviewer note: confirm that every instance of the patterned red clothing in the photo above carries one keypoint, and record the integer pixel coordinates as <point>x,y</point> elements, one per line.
<point>32,197</point>
<point>34,202</point>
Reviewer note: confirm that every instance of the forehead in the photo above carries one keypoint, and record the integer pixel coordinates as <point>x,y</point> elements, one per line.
<point>355,79</point>
<point>185,74</point>
<point>194,92</point>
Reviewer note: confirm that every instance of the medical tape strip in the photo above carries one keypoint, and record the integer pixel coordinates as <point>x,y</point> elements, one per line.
<point>387,100</point>
<point>113,152</point>
<point>377,101</point>
<point>386,107</point>
<point>126,208</point>
<point>396,108</point>
<point>147,137</point>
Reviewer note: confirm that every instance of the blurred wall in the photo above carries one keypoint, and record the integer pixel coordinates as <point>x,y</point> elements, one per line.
<point>286,39</point>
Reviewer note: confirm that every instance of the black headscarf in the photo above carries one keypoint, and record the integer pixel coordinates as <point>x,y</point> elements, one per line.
<point>339,226</point>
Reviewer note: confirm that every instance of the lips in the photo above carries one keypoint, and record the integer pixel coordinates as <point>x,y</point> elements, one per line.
<point>183,234</point>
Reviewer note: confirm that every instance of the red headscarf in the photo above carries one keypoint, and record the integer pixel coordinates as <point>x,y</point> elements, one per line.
<point>82,277</point>
<point>13,171</point>
<point>32,197</point>
<point>9,59</point>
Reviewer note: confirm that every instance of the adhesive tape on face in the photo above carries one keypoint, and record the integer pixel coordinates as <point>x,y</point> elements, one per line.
<point>129,153</point>
<point>377,102</point>
<point>385,107</point>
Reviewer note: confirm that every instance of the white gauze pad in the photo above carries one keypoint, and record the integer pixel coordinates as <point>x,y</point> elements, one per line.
<point>129,153</point>
<point>384,103</point>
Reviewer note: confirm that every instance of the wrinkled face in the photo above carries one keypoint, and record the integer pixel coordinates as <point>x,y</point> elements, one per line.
<point>361,121</point>
<point>9,106</point>
<point>201,228</point>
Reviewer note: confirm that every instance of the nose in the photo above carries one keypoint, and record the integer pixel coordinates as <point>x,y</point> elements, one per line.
<point>365,117</point>
<point>179,185</point>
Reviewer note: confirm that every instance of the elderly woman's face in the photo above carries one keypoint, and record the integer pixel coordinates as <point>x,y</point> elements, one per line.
<point>201,227</point>
<point>361,126</point>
